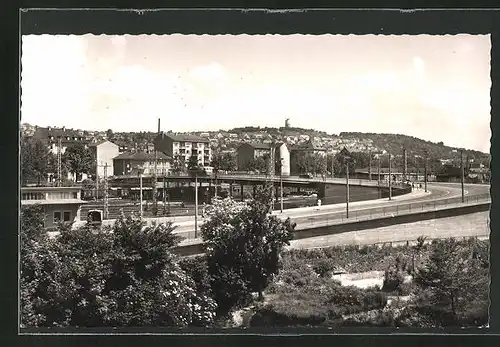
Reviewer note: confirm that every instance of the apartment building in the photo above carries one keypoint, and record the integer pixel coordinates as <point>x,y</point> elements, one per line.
<point>131,163</point>
<point>103,153</point>
<point>246,152</point>
<point>184,146</point>
<point>55,136</point>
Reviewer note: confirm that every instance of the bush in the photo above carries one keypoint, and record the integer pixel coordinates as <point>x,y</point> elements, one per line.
<point>393,281</point>
<point>92,277</point>
<point>323,267</point>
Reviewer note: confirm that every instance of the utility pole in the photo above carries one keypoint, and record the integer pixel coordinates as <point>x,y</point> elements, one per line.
<point>59,166</point>
<point>425,171</point>
<point>347,187</point>
<point>164,191</point>
<point>196,205</point>
<point>271,169</point>
<point>370,165</point>
<point>155,173</point>
<point>333,158</point>
<point>378,171</point>
<point>281,183</point>
<point>462,173</point>
<point>405,165</point>
<point>390,178</point>
<point>96,182</point>
<point>140,190</point>
<point>106,203</point>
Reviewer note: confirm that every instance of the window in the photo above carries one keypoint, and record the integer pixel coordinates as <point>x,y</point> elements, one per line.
<point>67,216</point>
<point>75,195</point>
<point>57,216</point>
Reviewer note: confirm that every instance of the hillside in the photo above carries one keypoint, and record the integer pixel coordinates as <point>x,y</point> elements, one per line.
<point>393,143</point>
<point>353,141</point>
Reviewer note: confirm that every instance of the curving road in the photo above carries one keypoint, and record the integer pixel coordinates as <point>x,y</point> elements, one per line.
<point>439,195</point>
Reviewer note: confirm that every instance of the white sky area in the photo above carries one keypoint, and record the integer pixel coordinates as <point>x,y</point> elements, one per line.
<point>433,87</point>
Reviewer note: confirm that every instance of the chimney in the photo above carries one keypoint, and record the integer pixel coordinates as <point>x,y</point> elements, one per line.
<point>159,125</point>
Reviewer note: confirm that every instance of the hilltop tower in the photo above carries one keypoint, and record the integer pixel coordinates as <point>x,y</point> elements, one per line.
<point>287,123</point>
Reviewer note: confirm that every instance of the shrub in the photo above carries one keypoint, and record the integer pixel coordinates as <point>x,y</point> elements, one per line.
<point>393,281</point>
<point>243,246</point>
<point>323,267</point>
<point>93,277</point>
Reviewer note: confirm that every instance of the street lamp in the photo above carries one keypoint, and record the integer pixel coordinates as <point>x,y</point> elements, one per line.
<point>390,178</point>
<point>140,170</point>
<point>462,173</point>
<point>281,183</point>
<point>194,169</point>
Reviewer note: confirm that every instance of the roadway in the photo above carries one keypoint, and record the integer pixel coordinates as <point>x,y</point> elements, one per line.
<point>439,194</point>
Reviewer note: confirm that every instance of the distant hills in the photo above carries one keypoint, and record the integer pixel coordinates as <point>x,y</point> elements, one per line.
<point>353,141</point>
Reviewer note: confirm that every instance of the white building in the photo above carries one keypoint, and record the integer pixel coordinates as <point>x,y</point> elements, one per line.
<point>103,153</point>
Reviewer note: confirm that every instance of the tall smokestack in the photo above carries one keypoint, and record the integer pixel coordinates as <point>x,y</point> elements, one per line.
<point>159,125</point>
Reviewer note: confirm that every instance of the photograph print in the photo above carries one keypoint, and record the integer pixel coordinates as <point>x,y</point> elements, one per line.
<point>254,181</point>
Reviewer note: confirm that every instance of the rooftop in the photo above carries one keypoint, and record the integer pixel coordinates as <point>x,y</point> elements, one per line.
<point>53,202</point>
<point>186,138</point>
<point>95,144</point>
<point>50,189</point>
<point>258,145</point>
<point>142,156</point>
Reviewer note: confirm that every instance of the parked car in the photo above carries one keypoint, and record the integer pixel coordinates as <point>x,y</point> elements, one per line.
<point>307,175</point>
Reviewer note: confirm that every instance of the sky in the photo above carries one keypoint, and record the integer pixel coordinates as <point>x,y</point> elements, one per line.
<point>432,87</point>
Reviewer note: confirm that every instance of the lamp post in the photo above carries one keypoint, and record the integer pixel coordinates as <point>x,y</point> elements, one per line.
<point>462,173</point>
<point>347,187</point>
<point>425,172</point>
<point>370,165</point>
<point>195,169</point>
<point>195,205</point>
<point>140,170</point>
<point>390,178</point>
<point>281,183</point>
<point>378,171</point>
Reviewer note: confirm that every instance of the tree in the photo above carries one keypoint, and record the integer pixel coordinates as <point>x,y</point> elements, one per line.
<point>243,244</point>
<point>109,134</point>
<point>36,160</point>
<point>452,282</point>
<point>260,164</point>
<point>78,160</point>
<point>128,277</point>
<point>178,165</point>
<point>224,162</point>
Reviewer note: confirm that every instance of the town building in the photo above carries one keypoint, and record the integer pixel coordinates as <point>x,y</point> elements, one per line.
<point>129,164</point>
<point>247,152</point>
<point>282,159</point>
<point>184,146</point>
<point>52,137</point>
<point>60,204</point>
<point>103,153</point>
<point>298,151</point>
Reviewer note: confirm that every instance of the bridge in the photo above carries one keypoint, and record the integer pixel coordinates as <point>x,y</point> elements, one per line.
<point>330,190</point>
<point>441,200</point>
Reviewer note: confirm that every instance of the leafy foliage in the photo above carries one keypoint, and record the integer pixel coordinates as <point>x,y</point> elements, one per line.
<point>124,276</point>
<point>243,244</point>
<point>78,160</point>
<point>224,161</point>
<point>452,283</point>
<point>36,160</point>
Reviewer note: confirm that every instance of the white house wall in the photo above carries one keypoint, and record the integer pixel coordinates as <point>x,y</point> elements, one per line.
<point>105,152</point>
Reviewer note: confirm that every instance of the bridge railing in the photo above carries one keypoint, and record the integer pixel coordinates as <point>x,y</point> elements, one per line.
<point>358,215</point>
<point>393,210</point>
